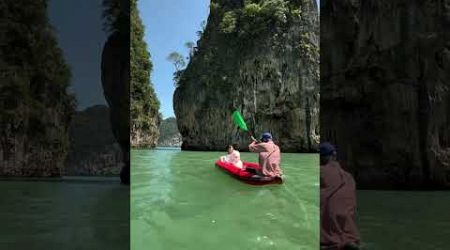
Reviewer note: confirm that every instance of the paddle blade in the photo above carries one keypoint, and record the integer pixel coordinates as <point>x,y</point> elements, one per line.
<point>239,120</point>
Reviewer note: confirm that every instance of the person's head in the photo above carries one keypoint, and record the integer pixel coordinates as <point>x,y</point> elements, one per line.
<point>327,153</point>
<point>232,147</point>
<point>266,136</point>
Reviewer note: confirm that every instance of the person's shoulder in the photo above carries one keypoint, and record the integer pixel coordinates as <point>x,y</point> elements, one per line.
<point>347,175</point>
<point>330,169</point>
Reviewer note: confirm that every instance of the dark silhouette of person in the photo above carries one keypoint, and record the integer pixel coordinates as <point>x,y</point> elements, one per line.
<point>338,228</point>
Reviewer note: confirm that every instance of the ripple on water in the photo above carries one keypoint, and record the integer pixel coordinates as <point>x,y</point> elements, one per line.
<point>183,194</point>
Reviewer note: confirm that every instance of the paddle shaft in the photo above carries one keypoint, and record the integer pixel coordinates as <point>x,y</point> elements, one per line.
<point>253,138</point>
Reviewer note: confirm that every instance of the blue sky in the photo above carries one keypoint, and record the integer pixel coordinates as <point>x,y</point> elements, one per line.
<point>169,24</point>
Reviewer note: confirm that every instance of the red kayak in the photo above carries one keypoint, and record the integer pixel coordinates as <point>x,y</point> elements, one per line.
<point>246,174</point>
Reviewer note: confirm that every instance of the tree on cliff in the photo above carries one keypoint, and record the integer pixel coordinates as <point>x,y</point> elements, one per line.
<point>191,47</point>
<point>144,103</point>
<point>35,107</point>
<point>177,60</point>
<point>116,15</point>
<point>202,30</point>
<point>179,63</point>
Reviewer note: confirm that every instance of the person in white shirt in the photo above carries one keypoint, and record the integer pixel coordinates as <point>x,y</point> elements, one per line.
<point>233,156</point>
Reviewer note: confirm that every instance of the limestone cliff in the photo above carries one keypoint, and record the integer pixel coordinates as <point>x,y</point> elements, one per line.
<point>385,90</point>
<point>93,148</point>
<point>260,57</point>
<point>35,108</point>
<point>169,135</point>
<point>116,75</point>
<point>144,106</point>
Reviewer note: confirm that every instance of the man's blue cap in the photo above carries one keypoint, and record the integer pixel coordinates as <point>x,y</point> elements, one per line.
<point>326,149</point>
<point>266,136</point>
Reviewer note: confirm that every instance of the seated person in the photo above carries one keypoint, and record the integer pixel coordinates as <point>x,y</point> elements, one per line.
<point>338,228</point>
<point>269,155</point>
<point>233,156</point>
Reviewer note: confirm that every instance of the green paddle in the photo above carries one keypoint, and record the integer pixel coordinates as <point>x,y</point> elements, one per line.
<point>239,121</point>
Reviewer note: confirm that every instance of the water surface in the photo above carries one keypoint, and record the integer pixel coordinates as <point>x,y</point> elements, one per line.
<point>74,213</point>
<point>180,200</point>
<point>404,219</point>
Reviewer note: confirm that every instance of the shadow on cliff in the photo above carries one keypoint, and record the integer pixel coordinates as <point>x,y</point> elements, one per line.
<point>116,76</point>
<point>385,99</point>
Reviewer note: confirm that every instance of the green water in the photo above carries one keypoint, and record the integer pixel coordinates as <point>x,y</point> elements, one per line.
<point>404,220</point>
<point>80,213</point>
<point>180,200</point>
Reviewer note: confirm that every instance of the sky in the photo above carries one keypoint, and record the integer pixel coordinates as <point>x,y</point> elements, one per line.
<point>169,24</point>
<point>78,25</point>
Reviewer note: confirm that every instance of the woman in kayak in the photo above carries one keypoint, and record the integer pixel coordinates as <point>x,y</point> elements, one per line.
<point>233,156</point>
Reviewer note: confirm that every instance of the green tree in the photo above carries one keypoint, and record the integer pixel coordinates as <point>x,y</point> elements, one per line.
<point>116,15</point>
<point>229,22</point>
<point>202,30</point>
<point>177,60</point>
<point>179,63</point>
<point>191,47</point>
<point>258,17</point>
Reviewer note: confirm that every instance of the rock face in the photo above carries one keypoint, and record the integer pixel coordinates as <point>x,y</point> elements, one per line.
<point>116,76</point>
<point>259,57</point>
<point>385,90</point>
<point>169,135</point>
<point>174,142</point>
<point>35,108</point>
<point>144,107</point>
<point>93,148</point>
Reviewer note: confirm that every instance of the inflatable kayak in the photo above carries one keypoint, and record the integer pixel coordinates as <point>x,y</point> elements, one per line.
<point>247,173</point>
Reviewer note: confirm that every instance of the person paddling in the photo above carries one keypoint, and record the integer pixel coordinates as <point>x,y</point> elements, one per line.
<point>233,156</point>
<point>269,155</point>
<point>337,203</point>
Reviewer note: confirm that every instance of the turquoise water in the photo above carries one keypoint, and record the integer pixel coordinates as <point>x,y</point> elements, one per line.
<point>78,213</point>
<point>180,200</point>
